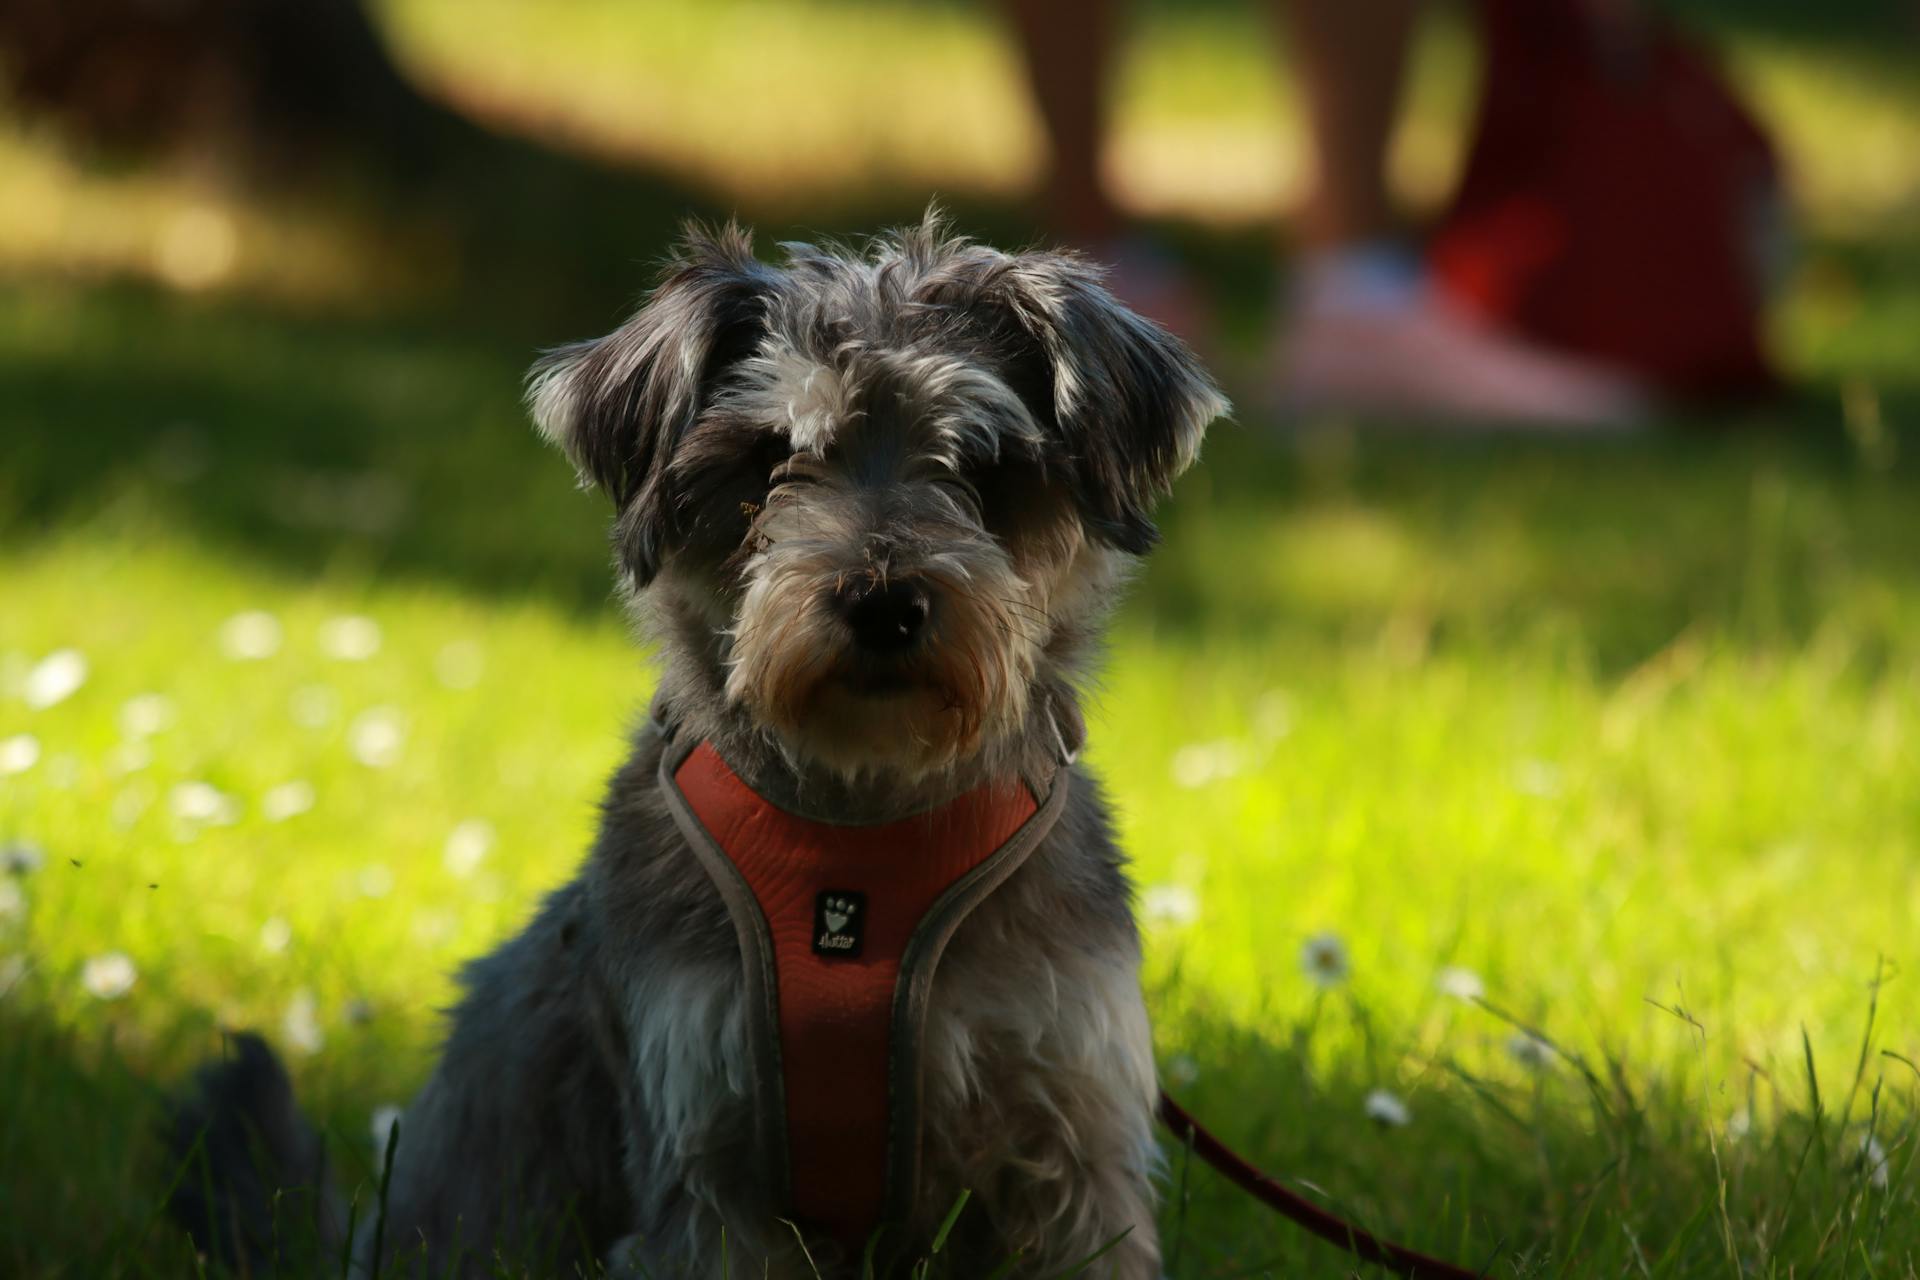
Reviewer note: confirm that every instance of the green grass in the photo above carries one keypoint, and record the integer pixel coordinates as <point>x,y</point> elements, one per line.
<point>1629,729</point>
<point>1608,724</point>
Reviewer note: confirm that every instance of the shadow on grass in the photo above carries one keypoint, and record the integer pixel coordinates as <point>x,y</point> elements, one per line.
<point>81,1156</point>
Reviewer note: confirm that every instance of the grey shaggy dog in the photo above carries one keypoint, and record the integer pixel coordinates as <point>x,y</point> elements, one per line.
<point>874,507</point>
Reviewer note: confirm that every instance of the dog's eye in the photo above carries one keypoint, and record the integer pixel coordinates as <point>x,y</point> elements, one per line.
<point>1009,490</point>
<point>720,487</point>
<point>1005,482</point>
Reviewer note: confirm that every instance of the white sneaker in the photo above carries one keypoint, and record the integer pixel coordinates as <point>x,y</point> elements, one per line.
<point>1371,338</point>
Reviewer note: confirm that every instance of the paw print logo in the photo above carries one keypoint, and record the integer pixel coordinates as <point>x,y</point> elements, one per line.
<point>836,911</point>
<point>838,917</point>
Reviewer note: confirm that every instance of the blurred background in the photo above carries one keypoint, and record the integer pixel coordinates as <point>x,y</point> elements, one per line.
<point>1527,821</point>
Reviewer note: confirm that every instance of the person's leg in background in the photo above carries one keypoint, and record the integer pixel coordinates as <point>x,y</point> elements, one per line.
<point>1363,329</point>
<point>1351,60</point>
<point>1069,48</point>
<point>1069,55</point>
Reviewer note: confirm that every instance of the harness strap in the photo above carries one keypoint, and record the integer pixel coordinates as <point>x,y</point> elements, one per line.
<point>841,928</point>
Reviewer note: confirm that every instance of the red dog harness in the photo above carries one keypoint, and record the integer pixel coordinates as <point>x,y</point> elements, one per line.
<point>841,927</point>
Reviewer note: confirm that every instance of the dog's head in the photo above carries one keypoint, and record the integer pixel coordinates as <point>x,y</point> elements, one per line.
<point>885,497</point>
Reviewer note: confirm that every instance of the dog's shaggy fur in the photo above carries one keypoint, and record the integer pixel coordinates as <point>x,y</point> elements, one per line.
<point>973,440</point>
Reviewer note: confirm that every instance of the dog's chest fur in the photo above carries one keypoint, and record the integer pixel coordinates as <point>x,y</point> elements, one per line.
<point>1037,1059</point>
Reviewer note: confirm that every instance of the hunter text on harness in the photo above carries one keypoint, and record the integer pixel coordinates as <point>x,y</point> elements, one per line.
<point>841,927</point>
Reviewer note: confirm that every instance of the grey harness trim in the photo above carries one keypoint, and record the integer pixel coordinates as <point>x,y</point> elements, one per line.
<point>761,992</point>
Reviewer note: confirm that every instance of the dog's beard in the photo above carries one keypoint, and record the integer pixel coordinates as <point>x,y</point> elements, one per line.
<point>794,667</point>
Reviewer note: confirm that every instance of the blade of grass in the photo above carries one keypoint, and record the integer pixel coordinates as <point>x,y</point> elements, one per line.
<point>946,1224</point>
<point>1081,1266</point>
<point>386,1184</point>
<point>805,1252</point>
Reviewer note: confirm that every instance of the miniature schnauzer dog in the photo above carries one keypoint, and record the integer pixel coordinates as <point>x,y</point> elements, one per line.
<point>873,507</point>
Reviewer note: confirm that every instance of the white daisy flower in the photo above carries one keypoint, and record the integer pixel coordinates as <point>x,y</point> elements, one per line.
<point>1199,763</point>
<point>377,737</point>
<point>1529,1050</point>
<point>1539,778</point>
<point>146,714</point>
<point>22,857</point>
<point>301,1025</point>
<point>433,927</point>
<point>386,1119</point>
<point>1273,715</point>
<point>314,706</point>
<point>202,802</point>
<point>1461,984</point>
<point>54,679</point>
<point>287,800</point>
<point>62,771</point>
<point>459,664</point>
<point>275,935</point>
<point>467,846</point>
<point>129,757</point>
<point>130,803</point>
<point>1169,904</point>
<point>1385,1109</point>
<point>1874,1157</point>
<point>350,638</point>
<point>250,636</point>
<point>1324,960</point>
<point>13,902</point>
<point>18,754</point>
<point>109,976</point>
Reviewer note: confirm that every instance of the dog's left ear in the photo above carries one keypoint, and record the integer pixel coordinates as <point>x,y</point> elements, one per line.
<point>618,406</point>
<point>1130,400</point>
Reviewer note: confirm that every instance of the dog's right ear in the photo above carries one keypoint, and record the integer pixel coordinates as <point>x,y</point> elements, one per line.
<point>618,406</point>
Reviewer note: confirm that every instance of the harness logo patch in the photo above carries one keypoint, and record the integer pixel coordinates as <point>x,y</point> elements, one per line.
<point>839,923</point>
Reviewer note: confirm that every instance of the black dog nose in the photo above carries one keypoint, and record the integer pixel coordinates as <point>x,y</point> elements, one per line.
<point>887,618</point>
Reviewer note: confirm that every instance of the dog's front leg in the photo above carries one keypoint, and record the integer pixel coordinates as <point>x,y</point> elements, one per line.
<point>1109,1148</point>
<point>1057,1143</point>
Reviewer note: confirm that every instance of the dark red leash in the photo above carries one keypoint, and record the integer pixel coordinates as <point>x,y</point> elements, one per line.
<point>1364,1245</point>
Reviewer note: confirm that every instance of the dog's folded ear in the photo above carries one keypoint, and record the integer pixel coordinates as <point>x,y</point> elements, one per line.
<point>618,406</point>
<point>1129,399</point>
